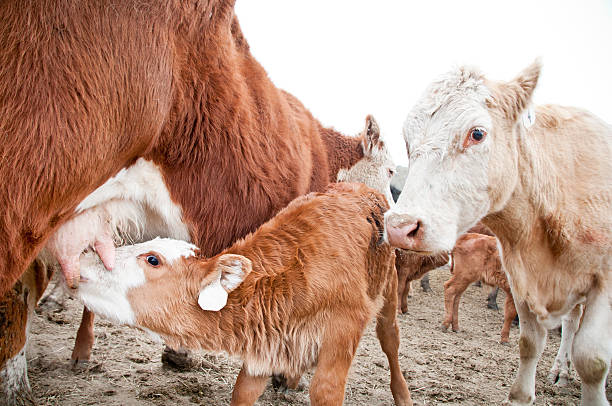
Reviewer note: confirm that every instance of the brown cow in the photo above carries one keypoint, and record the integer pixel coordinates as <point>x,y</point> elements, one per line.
<point>295,294</point>
<point>152,93</point>
<point>475,258</point>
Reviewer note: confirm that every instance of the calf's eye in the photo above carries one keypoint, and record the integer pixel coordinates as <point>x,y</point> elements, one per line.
<point>152,260</point>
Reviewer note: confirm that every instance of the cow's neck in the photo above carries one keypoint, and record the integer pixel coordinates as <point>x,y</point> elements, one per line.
<point>342,152</point>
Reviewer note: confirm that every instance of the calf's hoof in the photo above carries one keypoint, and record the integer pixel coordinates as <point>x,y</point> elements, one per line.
<point>180,359</point>
<point>492,306</point>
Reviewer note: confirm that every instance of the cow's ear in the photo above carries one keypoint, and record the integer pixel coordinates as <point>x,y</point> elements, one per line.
<point>515,96</point>
<point>228,273</point>
<point>371,135</point>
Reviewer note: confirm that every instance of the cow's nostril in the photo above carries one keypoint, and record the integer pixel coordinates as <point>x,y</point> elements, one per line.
<point>415,231</point>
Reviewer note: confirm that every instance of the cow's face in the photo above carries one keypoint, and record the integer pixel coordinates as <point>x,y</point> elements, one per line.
<point>462,158</point>
<point>376,168</point>
<point>139,266</point>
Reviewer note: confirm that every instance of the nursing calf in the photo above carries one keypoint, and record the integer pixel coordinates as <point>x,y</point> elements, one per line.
<point>541,180</point>
<point>296,293</point>
<point>475,258</point>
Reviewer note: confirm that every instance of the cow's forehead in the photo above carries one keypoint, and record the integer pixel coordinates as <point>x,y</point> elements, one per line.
<point>446,103</point>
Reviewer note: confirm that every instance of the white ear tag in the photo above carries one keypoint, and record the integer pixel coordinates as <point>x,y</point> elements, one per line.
<point>529,117</point>
<point>213,297</point>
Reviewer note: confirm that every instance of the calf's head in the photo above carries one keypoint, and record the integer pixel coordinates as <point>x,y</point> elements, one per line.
<point>154,281</point>
<point>376,168</point>
<point>461,139</point>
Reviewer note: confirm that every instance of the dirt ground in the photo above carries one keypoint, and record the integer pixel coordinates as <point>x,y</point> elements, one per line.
<point>465,368</point>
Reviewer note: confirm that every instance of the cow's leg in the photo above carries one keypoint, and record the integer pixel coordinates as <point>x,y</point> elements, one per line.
<point>388,335</point>
<point>16,308</point>
<point>492,299</point>
<point>559,373</point>
<point>14,384</point>
<point>531,344</point>
<point>509,315</point>
<point>592,349</point>
<point>248,388</point>
<point>84,339</point>
<point>425,283</point>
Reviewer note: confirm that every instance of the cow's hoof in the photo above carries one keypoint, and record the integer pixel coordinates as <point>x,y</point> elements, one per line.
<point>492,306</point>
<point>180,359</point>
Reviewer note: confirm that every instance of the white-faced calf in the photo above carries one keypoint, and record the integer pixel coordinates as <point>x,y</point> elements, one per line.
<point>295,294</point>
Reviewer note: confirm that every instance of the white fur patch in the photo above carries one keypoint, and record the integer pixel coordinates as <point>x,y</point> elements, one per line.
<point>14,377</point>
<point>139,204</point>
<point>213,297</point>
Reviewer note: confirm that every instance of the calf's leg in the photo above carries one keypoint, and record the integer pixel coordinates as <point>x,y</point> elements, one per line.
<point>425,283</point>
<point>492,299</point>
<point>559,373</point>
<point>248,388</point>
<point>531,344</point>
<point>453,289</point>
<point>509,315</point>
<point>334,361</point>
<point>403,290</point>
<point>388,335</point>
<point>592,349</point>
<point>85,338</point>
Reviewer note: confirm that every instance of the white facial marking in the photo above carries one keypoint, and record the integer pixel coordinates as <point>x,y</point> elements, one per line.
<point>105,292</point>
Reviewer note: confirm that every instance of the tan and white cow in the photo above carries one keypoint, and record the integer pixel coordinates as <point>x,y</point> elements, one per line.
<point>542,184</point>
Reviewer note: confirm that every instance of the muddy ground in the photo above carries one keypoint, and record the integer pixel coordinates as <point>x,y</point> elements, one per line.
<point>465,368</point>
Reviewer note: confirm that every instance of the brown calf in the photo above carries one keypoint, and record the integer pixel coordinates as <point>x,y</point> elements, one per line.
<point>411,267</point>
<point>475,258</point>
<point>296,293</point>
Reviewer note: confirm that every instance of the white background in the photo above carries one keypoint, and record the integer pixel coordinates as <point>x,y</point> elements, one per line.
<point>345,59</point>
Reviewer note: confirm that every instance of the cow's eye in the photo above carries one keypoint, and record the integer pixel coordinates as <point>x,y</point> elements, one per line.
<point>391,172</point>
<point>478,133</point>
<point>475,136</point>
<point>152,260</point>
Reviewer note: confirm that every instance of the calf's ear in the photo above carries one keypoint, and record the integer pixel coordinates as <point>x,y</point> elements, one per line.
<point>228,272</point>
<point>371,135</point>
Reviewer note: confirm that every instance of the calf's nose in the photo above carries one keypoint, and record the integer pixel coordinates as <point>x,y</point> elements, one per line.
<point>405,231</point>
